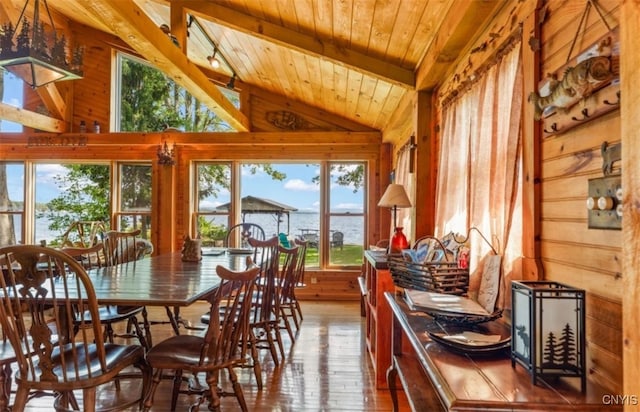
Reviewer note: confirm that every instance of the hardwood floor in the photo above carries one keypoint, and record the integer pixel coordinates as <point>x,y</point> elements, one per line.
<point>327,369</point>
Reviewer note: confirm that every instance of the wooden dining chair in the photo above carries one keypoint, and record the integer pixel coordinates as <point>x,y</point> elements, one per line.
<point>94,257</point>
<point>221,348</point>
<point>7,357</point>
<point>125,246</point>
<point>39,295</point>
<point>290,305</point>
<point>265,307</point>
<point>285,283</point>
<point>238,235</point>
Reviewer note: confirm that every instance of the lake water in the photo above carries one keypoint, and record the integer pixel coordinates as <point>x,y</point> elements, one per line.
<point>351,226</point>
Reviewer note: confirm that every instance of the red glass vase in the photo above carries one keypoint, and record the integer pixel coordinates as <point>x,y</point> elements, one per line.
<point>398,241</point>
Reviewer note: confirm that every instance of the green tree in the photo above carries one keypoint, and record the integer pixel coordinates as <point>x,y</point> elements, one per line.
<point>85,195</point>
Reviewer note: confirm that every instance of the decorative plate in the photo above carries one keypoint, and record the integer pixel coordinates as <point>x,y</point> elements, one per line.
<point>471,347</point>
<point>463,319</point>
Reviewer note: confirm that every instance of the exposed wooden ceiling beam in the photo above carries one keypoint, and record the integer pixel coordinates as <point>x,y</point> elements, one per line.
<point>31,119</point>
<point>126,20</point>
<point>460,25</point>
<point>291,39</point>
<point>53,100</point>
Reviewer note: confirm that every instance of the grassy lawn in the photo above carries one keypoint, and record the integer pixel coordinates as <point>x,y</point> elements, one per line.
<point>349,255</point>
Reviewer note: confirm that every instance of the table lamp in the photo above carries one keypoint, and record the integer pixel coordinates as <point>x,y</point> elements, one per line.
<point>394,197</point>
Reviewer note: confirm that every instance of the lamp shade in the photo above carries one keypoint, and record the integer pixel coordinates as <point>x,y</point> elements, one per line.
<point>394,196</point>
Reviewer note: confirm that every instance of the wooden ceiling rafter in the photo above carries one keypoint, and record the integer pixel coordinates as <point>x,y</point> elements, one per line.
<point>32,119</point>
<point>305,44</point>
<point>130,23</point>
<point>459,25</point>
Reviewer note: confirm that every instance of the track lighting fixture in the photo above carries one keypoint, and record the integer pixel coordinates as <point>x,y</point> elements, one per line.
<point>213,60</point>
<point>232,82</point>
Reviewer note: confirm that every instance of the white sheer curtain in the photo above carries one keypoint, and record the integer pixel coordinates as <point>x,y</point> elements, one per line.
<point>403,177</point>
<point>480,168</point>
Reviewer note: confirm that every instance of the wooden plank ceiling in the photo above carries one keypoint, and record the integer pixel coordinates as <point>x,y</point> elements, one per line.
<point>357,59</point>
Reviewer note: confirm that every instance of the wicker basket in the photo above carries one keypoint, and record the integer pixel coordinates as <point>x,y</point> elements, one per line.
<point>441,277</point>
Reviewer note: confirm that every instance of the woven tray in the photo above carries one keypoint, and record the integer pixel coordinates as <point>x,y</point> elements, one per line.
<point>441,277</point>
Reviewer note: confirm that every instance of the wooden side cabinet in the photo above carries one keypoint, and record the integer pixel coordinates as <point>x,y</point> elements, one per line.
<point>375,281</point>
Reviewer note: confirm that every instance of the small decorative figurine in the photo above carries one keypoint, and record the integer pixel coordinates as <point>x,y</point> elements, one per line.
<point>191,251</point>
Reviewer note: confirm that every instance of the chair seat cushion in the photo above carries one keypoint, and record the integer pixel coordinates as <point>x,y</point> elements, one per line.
<point>179,352</point>
<point>89,373</point>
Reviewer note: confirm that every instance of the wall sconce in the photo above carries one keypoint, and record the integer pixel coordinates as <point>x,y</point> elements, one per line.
<point>166,156</point>
<point>548,330</point>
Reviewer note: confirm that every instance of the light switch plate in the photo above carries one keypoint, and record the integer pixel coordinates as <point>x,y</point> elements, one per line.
<point>605,187</point>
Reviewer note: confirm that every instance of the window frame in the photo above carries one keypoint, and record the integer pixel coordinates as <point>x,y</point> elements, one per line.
<point>324,211</point>
<point>117,213</point>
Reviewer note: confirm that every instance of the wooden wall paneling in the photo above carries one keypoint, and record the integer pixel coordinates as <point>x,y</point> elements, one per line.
<point>586,163</point>
<point>531,210</point>
<point>571,252</point>
<point>576,232</point>
<point>604,367</point>
<point>607,259</point>
<point>605,358</point>
<point>630,132</point>
<point>591,280</point>
<point>316,115</point>
<point>330,285</point>
<point>92,93</point>
<point>183,203</point>
<point>264,111</point>
<point>589,137</point>
<point>424,160</point>
<point>164,178</point>
<point>562,18</point>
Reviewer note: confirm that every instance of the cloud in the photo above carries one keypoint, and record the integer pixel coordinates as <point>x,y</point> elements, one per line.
<point>301,186</point>
<point>47,171</point>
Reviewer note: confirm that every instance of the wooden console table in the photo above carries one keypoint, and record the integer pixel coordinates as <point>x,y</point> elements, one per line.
<point>375,281</point>
<point>437,379</point>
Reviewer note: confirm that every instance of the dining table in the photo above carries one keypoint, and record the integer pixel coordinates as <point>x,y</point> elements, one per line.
<point>163,280</point>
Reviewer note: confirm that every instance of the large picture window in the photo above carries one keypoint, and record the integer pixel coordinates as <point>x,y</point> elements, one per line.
<point>12,204</point>
<point>62,194</point>
<point>146,100</point>
<point>134,198</point>
<point>320,202</point>
<point>212,190</point>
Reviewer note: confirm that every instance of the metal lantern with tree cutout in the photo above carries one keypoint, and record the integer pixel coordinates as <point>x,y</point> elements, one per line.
<point>548,330</point>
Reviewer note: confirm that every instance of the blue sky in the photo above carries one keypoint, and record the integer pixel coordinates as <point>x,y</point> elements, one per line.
<point>296,190</point>
<point>12,96</point>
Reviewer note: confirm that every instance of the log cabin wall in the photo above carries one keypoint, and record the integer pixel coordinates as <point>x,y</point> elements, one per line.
<point>571,252</point>
<point>569,155</point>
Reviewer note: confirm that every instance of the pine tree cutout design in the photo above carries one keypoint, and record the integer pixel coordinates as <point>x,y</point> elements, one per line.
<point>560,353</point>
